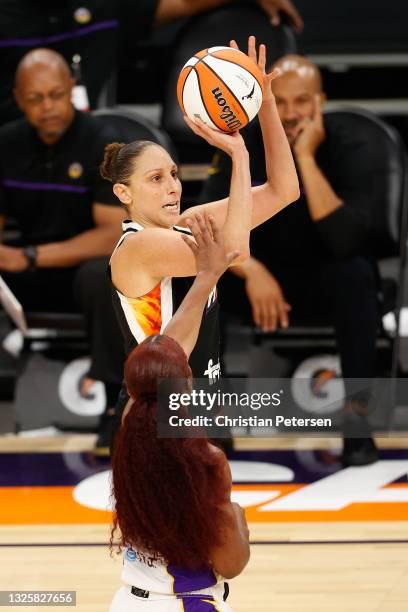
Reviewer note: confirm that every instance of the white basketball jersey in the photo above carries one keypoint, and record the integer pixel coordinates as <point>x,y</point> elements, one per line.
<point>148,574</point>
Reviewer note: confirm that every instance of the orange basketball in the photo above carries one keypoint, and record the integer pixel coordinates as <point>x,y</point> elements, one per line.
<point>221,86</point>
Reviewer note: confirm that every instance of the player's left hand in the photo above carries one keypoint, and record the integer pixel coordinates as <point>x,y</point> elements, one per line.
<point>260,60</point>
<point>12,259</point>
<point>274,8</point>
<point>208,246</point>
<point>310,133</point>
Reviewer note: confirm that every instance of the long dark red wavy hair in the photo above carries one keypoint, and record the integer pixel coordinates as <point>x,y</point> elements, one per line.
<point>167,491</point>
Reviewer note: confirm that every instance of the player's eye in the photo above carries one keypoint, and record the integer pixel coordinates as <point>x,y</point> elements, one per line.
<point>156,178</point>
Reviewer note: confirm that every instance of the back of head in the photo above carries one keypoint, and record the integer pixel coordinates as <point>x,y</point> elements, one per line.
<point>155,358</point>
<point>162,482</point>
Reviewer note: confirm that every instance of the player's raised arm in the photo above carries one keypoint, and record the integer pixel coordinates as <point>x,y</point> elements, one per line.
<point>236,222</point>
<point>282,186</point>
<point>207,246</point>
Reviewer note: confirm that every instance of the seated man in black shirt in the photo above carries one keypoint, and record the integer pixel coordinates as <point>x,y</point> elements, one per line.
<point>67,216</point>
<point>314,258</point>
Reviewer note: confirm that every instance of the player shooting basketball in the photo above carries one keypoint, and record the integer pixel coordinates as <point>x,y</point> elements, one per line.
<point>181,533</point>
<point>151,262</point>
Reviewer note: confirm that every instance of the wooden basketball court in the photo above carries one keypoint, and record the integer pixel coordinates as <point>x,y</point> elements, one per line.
<point>323,538</point>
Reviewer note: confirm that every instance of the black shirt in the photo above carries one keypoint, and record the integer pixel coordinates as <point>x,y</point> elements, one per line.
<point>85,27</point>
<point>291,237</point>
<point>50,190</point>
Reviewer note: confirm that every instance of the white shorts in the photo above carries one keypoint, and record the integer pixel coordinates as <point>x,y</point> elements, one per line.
<point>207,600</point>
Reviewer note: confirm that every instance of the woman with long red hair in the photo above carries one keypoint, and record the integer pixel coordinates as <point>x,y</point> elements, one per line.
<point>181,534</point>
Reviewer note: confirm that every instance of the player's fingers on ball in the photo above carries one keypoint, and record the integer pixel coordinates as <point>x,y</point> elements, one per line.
<point>189,122</point>
<point>233,44</point>
<point>192,125</point>
<point>252,48</point>
<point>274,74</point>
<point>262,57</point>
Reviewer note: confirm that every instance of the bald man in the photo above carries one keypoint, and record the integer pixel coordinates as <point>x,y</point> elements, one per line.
<point>313,261</point>
<point>68,218</point>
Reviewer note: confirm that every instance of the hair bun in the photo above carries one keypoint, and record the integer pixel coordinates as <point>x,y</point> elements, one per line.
<point>108,167</point>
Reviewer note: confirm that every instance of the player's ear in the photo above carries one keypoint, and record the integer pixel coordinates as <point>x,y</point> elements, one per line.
<point>122,192</point>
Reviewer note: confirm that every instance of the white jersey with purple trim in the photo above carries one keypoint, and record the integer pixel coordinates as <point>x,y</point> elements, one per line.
<point>172,588</point>
<point>144,572</point>
<point>209,600</point>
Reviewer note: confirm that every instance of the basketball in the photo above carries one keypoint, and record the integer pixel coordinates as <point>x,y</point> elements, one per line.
<point>221,86</point>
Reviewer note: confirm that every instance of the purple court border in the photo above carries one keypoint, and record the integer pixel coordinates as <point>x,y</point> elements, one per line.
<point>255,543</point>
<point>43,40</point>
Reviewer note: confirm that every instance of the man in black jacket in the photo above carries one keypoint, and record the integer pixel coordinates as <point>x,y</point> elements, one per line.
<point>67,216</point>
<point>314,258</point>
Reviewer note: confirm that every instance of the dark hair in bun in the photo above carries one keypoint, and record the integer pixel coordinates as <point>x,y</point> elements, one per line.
<point>118,160</point>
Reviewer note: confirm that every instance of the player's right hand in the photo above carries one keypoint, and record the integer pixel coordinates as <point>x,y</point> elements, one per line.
<point>230,142</point>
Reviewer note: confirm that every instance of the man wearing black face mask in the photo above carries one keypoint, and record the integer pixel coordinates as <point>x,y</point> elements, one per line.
<point>88,33</point>
<point>315,257</point>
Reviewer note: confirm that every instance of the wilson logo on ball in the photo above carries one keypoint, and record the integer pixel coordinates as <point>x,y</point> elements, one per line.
<point>221,86</point>
<point>227,114</point>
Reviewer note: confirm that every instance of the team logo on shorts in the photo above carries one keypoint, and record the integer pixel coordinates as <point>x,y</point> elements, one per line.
<point>75,170</point>
<point>82,15</point>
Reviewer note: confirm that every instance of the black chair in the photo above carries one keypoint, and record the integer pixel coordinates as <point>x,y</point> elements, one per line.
<point>213,28</point>
<point>129,125</point>
<point>63,328</point>
<point>389,165</point>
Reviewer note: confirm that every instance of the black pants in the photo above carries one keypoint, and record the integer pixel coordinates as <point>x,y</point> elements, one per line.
<point>341,292</point>
<point>86,289</point>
